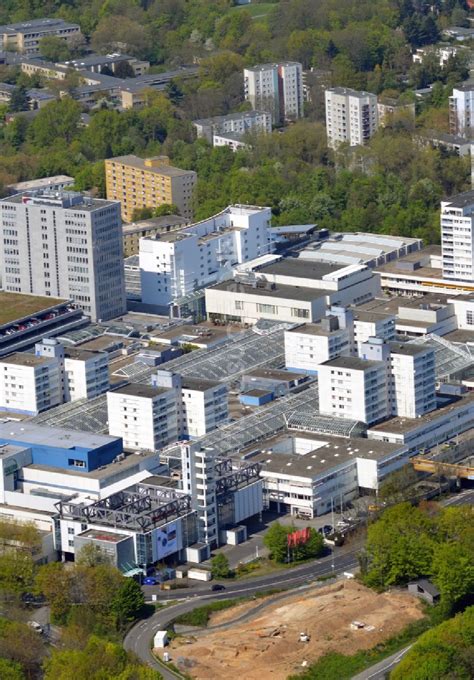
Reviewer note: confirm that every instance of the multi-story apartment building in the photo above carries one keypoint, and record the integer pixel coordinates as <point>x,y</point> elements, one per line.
<point>351,116</point>
<point>204,406</point>
<point>412,380</point>
<point>86,374</point>
<point>64,245</point>
<point>369,324</point>
<point>176,264</point>
<point>277,88</point>
<point>355,389</point>
<point>461,110</point>
<point>25,36</point>
<point>234,123</point>
<point>30,384</point>
<point>146,417</point>
<point>308,346</point>
<point>149,183</point>
<point>152,416</point>
<point>457,237</point>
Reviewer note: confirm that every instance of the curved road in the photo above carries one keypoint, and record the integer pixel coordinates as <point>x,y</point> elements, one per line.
<point>138,639</point>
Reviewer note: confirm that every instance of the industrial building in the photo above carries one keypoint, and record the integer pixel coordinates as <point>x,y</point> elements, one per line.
<point>290,290</point>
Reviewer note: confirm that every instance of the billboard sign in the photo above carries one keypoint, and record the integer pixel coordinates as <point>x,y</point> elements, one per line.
<point>166,541</point>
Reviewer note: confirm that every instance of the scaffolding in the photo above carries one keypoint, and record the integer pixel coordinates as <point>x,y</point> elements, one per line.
<point>136,511</point>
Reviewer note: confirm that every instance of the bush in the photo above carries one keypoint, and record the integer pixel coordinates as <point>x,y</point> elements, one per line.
<point>201,615</point>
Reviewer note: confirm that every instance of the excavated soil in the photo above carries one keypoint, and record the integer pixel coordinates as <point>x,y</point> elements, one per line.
<point>267,645</point>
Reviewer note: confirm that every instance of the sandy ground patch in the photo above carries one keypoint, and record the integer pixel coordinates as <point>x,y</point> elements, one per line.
<point>267,645</point>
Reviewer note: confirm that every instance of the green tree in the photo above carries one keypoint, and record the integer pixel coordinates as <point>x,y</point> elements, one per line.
<point>55,583</point>
<point>220,566</point>
<point>16,573</point>
<point>124,70</point>
<point>91,555</point>
<point>56,123</point>
<point>21,645</point>
<point>166,209</point>
<point>99,660</point>
<point>275,540</point>
<point>400,546</point>
<point>314,546</point>
<point>442,652</point>
<point>453,571</point>
<point>128,601</point>
<point>54,49</point>
<point>10,670</point>
<point>19,100</point>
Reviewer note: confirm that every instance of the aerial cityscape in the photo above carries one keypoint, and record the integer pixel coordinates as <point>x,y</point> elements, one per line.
<point>236,339</point>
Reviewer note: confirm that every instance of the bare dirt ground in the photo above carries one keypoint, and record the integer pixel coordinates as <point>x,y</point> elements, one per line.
<point>267,644</point>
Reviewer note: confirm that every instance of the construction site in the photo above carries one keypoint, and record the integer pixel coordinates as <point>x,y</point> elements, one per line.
<point>283,634</point>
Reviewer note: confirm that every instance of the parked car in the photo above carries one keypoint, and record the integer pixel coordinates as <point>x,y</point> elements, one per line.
<point>217,587</point>
<point>325,530</point>
<point>150,581</point>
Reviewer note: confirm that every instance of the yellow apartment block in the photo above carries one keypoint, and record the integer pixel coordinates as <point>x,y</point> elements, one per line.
<point>149,182</point>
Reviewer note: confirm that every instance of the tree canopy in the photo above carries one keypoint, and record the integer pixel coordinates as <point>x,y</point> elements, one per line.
<point>445,651</point>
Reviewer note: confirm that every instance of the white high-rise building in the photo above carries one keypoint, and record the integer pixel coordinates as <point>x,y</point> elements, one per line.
<point>199,481</point>
<point>204,406</point>
<point>355,389</point>
<point>369,324</point>
<point>277,88</point>
<point>351,116</point>
<point>412,380</point>
<point>457,242</point>
<point>178,263</point>
<point>64,245</point>
<point>146,417</point>
<point>308,346</point>
<point>86,374</point>
<point>30,384</point>
<point>461,111</point>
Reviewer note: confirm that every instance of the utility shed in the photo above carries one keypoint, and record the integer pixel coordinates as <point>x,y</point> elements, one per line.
<point>424,589</point>
<point>160,640</point>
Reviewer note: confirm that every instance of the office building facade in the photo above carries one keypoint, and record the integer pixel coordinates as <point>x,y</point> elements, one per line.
<point>64,245</point>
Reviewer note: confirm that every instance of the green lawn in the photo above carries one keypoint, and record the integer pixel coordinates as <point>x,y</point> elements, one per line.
<point>17,305</point>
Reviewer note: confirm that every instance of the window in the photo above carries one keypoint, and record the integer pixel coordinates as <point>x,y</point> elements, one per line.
<point>239,304</point>
<point>470,318</point>
<point>300,313</point>
<point>267,309</point>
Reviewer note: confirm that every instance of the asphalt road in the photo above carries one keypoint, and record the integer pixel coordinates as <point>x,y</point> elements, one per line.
<point>379,671</point>
<point>138,640</point>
